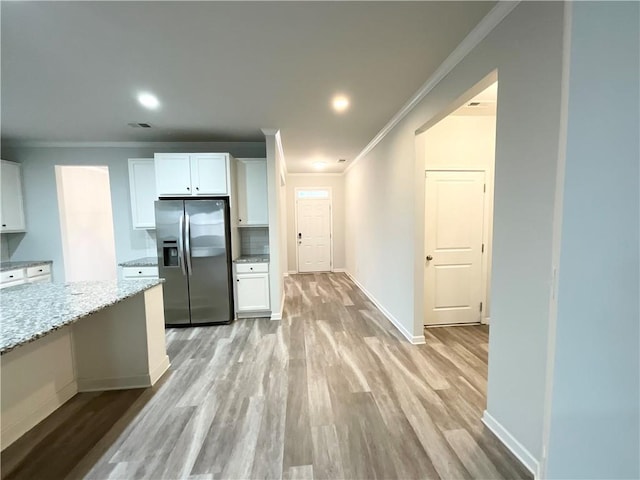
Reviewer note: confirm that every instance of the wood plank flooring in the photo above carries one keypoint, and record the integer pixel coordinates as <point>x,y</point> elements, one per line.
<point>331,391</point>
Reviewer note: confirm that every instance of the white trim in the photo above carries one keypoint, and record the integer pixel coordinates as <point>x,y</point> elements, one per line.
<point>480,31</point>
<point>292,272</point>
<point>12,432</point>
<point>339,270</point>
<point>124,383</point>
<point>160,370</point>
<point>108,144</point>
<point>557,235</point>
<point>278,315</point>
<point>486,320</point>
<point>295,199</point>
<point>414,339</point>
<point>514,446</point>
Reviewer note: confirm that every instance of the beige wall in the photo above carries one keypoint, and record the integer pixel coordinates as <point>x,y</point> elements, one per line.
<point>467,143</point>
<point>336,182</point>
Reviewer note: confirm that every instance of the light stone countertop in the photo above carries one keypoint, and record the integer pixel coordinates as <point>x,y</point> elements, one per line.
<point>264,258</point>
<point>31,311</point>
<point>4,266</point>
<point>141,262</point>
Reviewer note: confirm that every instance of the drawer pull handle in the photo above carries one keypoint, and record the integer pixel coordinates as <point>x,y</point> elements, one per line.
<point>10,276</point>
<point>39,269</point>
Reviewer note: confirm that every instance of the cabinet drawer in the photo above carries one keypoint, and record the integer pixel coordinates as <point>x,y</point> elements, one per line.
<point>139,272</point>
<point>39,270</point>
<point>40,279</point>
<point>12,275</point>
<point>252,267</point>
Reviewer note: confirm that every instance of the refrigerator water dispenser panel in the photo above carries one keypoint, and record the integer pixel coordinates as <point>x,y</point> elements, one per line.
<point>170,254</point>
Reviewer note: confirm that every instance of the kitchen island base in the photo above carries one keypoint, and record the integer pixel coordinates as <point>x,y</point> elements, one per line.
<point>119,347</point>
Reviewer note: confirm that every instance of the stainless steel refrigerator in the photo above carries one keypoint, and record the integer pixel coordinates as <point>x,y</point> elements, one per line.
<point>194,258</point>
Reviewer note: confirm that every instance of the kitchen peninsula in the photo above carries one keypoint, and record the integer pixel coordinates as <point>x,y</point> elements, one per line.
<point>60,339</point>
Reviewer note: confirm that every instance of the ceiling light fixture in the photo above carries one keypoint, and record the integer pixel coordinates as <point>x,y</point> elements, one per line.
<point>340,103</point>
<point>319,165</point>
<point>148,100</point>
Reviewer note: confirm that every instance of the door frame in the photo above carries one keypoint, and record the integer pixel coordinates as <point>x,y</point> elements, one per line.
<point>295,200</point>
<point>486,238</point>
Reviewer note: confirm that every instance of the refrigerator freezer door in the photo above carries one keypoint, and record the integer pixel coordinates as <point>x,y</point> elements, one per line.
<point>208,259</point>
<point>171,267</point>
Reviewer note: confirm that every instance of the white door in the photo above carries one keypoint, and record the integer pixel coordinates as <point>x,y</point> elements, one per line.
<point>454,209</point>
<point>314,234</point>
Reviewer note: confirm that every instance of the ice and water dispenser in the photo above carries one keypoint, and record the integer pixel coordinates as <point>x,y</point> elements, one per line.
<point>170,254</point>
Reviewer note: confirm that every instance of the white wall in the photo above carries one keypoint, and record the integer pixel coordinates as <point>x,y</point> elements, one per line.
<point>276,198</point>
<point>384,191</point>
<point>462,142</point>
<point>42,240</point>
<point>594,429</point>
<point>86,223</point>
<point>336,183</point>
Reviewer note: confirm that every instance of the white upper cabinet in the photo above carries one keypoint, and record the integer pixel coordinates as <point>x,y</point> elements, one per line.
<point>209,174</point>
<point>185,174</point>
<point>173,174</point>
<point>142,185</point>
<point>11,197</point>
<point>252,192</point>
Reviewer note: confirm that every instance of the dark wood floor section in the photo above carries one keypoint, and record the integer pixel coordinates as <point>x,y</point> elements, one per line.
<point>331,391</point>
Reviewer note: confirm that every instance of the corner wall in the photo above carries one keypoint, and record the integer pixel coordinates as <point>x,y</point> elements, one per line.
<point>382,198</point>
<point>595,402</point>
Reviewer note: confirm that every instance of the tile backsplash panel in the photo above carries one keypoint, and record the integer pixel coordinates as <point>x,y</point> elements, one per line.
<point>4,252</point>
<point>254,240</point>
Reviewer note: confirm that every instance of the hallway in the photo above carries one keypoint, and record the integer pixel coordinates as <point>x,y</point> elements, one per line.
<point>331,391</point>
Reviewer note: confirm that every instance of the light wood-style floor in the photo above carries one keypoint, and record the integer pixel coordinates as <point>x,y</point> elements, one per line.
<point>331,391</point>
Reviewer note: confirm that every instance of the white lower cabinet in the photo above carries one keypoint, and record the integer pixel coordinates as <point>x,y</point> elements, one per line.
<point>129,273</point>
<point>252,288</point>
<point>19,276</point>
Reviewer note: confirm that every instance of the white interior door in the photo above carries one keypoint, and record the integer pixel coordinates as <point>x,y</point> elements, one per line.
<point>454,208</point>
<point>314,234</point>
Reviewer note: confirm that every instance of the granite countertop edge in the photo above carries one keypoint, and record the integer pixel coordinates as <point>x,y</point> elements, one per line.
<point>141,262</point>
<point>15,265</point>
<point>146,285</point>
<point>261,258</point>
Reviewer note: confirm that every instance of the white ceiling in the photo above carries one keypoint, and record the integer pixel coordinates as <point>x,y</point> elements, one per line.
<point>222,70</point>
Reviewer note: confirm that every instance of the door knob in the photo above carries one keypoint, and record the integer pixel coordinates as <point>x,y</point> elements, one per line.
<point>429,258</point>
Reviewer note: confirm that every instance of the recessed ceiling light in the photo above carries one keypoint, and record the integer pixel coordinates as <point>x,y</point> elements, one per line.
<point>319,165</point>
<point>340,103</point>
<point>148,100</point>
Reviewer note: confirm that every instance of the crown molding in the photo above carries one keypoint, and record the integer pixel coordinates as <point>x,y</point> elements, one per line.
<point>44,144</point>
<point>479,32</point>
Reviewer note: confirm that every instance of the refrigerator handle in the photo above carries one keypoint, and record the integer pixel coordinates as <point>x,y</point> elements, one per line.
<point>187,241</point>
<point>181,245</point>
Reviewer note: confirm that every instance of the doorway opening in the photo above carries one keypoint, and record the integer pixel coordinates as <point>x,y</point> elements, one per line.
<point>86,223</point>
<point>314,229</point>
<point>459,160</point>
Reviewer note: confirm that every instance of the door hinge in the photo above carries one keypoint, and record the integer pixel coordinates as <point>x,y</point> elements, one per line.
<point>480,306</point>
<point>483,248</point>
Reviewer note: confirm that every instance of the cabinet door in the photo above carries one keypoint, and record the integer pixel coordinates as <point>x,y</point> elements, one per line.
<point>11,197</point>
<point>173,174</point>
<point>253,292</point>
<point>209,174</point>
<point>142,186</point>
<point>252,192</point>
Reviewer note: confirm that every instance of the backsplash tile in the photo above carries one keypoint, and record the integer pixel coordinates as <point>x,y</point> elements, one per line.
<point>254,240</point>
<point>4,251</point>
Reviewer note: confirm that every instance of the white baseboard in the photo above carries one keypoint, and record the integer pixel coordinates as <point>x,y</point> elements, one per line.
<point>124,383</point>
<point>339,270</point>
<point>514,446</point>
<point>159,370</point>
<point>12,432</point>
<point>414,339</point>
<point>278,315</point>
<point>292,272</point>
<point>486,320</point>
